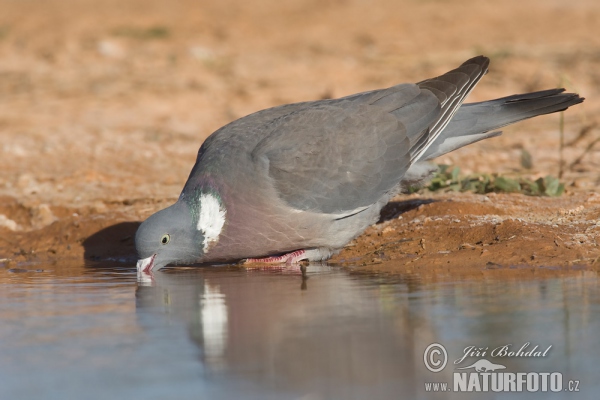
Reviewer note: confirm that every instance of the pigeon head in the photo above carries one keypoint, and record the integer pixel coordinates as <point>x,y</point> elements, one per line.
<point>168,237</point>
<point>181,233</point>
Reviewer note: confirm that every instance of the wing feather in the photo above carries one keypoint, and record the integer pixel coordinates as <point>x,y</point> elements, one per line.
<point>340,156</point>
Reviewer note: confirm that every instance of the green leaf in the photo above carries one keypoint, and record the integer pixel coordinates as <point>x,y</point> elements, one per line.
<point>531,188</point>
<point>507,185</point>
<point>553,187</point>
<point>455,172</point>
<point>442,168</point>
<point>484,186</point>
<point>526,160</point>
<point>470,185</point>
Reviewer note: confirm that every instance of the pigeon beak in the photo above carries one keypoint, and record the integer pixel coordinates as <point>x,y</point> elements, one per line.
<point>146,264</point>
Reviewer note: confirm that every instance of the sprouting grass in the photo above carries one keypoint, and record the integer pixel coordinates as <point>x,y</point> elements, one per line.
<point>149,33</point>
<point>448,178</point>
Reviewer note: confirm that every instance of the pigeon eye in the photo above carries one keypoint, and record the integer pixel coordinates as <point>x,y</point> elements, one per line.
<point>165,239</point>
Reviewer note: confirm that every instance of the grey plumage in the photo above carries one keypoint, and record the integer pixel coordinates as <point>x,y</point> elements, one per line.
<point>311,176</point>
<point>473,121</point>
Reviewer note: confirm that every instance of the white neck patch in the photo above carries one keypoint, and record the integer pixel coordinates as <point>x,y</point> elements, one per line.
<point>211,219</point>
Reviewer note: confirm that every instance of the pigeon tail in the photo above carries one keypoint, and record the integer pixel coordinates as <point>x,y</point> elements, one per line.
<point>477,121</point>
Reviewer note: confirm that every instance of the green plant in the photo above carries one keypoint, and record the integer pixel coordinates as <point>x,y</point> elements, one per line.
<point>448,178</point>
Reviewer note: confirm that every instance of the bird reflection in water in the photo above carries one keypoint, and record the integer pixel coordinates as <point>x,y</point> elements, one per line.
<point>331,336</point>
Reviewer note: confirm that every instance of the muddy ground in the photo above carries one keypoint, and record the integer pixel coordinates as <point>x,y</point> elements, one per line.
<point>103,105</point>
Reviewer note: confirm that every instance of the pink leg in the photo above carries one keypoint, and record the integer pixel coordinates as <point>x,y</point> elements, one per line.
<point>288,259</point>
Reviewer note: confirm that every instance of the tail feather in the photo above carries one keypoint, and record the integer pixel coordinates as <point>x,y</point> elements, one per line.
<point>473,122</point>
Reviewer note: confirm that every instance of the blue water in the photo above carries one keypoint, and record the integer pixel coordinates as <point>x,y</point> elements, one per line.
<point>94,332</point>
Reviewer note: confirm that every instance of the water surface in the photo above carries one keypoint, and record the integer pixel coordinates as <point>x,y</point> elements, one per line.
<point>94,332</point>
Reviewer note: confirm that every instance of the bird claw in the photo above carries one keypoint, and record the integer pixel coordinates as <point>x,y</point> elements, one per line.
<point>288,259</point>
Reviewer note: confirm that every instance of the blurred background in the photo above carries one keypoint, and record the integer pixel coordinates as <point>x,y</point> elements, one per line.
<point>106,102</point>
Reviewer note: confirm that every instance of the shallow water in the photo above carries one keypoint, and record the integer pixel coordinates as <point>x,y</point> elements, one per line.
<point>73,332</point>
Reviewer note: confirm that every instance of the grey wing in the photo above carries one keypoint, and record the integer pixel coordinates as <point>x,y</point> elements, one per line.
<point>340,156</point>
<point>451,90</point>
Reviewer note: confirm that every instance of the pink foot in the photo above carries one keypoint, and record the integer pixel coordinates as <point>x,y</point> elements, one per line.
<point>288,259</point>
